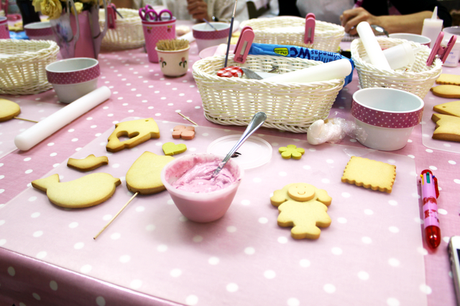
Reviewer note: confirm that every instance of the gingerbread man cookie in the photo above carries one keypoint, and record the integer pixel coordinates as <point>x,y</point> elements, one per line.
<point>138,132</point>
<point>304,207</point>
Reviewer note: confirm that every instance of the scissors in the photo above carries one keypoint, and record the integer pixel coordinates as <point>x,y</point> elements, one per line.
<point>147,13</point>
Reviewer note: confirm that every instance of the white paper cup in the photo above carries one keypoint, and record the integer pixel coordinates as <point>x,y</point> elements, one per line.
<point>205,36</point>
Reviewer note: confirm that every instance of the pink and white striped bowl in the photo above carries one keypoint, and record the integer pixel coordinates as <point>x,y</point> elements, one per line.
<point>387,116</point>
<point>74,77</point>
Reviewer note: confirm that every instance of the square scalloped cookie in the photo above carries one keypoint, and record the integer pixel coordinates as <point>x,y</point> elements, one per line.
<point>369,174</point>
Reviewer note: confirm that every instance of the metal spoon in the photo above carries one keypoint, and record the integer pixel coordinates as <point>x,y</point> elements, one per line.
<point>379,29</point>
<point>255,123</point>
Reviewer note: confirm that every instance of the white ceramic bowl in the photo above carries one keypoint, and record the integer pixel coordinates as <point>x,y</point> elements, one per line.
<point>200,207</point>
<point>39,31</point>
<point>74,77</point>
<point>387,116</point>
<point>205,36</point>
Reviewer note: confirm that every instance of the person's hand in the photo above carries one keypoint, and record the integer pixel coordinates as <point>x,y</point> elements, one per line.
<point>198,9</point>
<point>351,18</point>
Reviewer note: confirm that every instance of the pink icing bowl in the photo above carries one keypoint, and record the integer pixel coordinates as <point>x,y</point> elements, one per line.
<point>74,77</point>
<point>200,207</point>
<point>387,116</point>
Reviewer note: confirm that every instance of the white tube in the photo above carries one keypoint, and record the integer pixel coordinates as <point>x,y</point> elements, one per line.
<point>372,46</point>
<point>61,118</point>
<point>338,69</point>
<point>432,27</point>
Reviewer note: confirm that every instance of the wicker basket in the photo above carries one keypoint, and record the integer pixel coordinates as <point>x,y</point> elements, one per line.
<point>291,31</point>
<point>22,70</point>
<point>289,107</point>
<point>417,79</point>
<point>128,33</point>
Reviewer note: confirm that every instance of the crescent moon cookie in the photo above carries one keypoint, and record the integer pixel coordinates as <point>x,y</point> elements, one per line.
<point>88,163</point>
<point>86,191</point>
<point>138,132</point>
<point>369,174</point>
<point>8,109</point>
<point>304,207</point>
<point>144,175</point>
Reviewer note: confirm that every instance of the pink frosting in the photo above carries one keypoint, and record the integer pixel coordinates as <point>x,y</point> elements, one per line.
<point>198,178</point>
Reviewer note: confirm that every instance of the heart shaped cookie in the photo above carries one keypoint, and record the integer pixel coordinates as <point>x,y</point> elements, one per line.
<point>171,148</point>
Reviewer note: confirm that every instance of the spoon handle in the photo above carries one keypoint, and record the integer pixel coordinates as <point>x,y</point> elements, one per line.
<point>255,123</point>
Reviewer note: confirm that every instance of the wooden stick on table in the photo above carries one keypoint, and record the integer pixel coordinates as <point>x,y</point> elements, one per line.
<point>129,201</point>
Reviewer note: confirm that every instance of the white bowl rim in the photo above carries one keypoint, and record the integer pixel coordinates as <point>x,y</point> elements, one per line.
<point>94,62</point>
<point>422,103</point>
<point>37,25</point>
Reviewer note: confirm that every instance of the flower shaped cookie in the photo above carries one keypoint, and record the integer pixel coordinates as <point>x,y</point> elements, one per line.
<point>291,151</point>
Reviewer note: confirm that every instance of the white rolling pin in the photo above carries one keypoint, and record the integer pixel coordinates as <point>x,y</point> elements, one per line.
<point>373,49</point>
<point>338,69</point>
<point>61,118</point>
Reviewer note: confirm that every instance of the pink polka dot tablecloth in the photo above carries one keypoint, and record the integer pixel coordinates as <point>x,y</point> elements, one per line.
<point>32,270</point>
<point>373,249</point>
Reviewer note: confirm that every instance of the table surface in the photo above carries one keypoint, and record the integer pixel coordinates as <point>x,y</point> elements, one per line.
<point>35,235</point>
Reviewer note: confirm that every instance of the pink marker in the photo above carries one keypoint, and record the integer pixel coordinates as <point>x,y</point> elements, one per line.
<point>430,191</point>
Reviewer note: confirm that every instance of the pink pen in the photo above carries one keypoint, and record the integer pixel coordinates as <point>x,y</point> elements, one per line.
<point>430,191</point>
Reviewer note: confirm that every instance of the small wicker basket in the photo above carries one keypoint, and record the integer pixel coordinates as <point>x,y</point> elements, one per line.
<point>23,63</point>
<point>417,79</point>
<point>128,33</point>
<point>291,31</point>
<point>289,107</point>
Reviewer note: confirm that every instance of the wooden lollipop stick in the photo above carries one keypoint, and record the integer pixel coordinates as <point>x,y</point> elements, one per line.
<point>25,119</point>
<point>188,119</point>
<point>134,195</point>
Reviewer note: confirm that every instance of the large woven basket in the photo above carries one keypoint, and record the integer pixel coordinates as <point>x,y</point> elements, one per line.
<point>128,33</point>
<point>291,31</point>
<point>289,107</point>
<point>417,79</point>
<point>23,63</point>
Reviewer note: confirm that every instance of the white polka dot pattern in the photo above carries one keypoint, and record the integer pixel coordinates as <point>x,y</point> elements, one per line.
<point>156,31</point>
<point>211,34</point>
<point>393,120</point>
<point>74,77</point>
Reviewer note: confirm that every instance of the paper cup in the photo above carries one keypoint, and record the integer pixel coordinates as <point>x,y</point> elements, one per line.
<point>205,36</point>
<point>155,31</point>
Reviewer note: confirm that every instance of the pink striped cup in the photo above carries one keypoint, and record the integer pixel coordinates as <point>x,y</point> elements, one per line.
<point>205,36</point>
<point>74,77</point>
